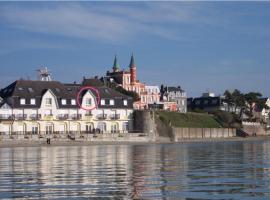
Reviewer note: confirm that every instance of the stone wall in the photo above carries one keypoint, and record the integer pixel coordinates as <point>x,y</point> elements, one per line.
<point>254,128</point>
<point>193,133</point>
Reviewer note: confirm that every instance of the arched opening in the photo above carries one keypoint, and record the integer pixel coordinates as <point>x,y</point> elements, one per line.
<point>114,128</point>
<point>35,128</point>
<point>75,128</point>
<point>125,127</point>
<point>101,127</point>
<point>89,128</point>
<point>20,128</point>
<point>62,128</point>
<point>49,128</point>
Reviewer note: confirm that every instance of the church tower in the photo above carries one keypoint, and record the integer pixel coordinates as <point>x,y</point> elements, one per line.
<point>133,73</point>
<point>116,66</point>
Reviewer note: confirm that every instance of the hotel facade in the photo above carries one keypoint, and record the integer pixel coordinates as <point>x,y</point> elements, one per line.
<point>51,107</point>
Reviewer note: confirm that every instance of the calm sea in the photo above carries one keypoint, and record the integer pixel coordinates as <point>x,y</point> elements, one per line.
<point>230,170</point>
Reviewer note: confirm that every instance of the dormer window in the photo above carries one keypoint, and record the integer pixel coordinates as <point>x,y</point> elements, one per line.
<point>32,101</point>
<point>22,101</point>
<point>64,102</point>
<point>111,102</point>
<point>30,90</point>
<point>48,101</point>
<point>73,102</point>
<point>102,102</point>
<point>88,102</point>
<point>20,89</point>
<point>125,102</point>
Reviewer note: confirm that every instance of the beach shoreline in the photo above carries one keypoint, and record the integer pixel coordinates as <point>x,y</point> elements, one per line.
<point>20,143</point>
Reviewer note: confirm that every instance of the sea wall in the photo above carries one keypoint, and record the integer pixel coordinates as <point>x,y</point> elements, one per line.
<point>253,127</point>
<point>115,137</point>
<point>179,134</point>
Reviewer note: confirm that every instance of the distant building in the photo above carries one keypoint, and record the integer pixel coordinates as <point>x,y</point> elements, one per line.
<point>174,94</point>
<point>128,80</point>
<point>209,102</point>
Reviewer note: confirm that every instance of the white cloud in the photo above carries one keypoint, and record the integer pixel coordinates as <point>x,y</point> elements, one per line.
<point>104,22</point>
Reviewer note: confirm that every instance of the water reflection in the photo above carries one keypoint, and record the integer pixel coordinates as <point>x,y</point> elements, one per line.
<point>235,170</point>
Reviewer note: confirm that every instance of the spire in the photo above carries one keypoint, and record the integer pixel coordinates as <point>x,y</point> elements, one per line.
<point>132,62</point>
<point>115,64</point>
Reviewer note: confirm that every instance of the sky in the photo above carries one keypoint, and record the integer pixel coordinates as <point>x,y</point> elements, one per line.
<point>201,46</point>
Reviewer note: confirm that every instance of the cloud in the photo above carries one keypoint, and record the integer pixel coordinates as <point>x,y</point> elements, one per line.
<point>115,22</point>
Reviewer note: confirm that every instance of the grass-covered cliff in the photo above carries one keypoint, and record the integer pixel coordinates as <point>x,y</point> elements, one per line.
<point>192,120</point>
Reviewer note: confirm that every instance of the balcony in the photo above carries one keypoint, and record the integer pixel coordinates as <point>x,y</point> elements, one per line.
<point>102,116</point>
<point>20,117</point>
<point>48,117</point>
<point>115,116</point>
<point>35,117</point>
<point>76,117</point>
<point>6,117</point>
<point>62,117</point>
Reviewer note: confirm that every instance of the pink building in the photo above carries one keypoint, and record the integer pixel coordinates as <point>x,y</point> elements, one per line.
<point>128,80</point>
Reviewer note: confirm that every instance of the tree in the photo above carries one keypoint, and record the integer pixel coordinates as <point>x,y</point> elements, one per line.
<point>235,99</point>
<point>132,94</point>
<point>229,98</point>
<point>251,98</point>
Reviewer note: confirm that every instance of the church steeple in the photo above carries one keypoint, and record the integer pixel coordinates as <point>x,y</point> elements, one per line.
<point>132,62</point>
<point>116,66</point>
<point>132,68</point>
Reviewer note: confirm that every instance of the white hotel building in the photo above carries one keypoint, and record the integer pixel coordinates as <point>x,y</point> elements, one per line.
<point>46,107</point>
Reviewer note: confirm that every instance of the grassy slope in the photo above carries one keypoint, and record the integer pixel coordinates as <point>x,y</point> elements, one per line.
<point>193,120</point>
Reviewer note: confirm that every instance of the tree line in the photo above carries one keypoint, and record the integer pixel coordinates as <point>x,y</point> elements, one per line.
<point>246,102</point>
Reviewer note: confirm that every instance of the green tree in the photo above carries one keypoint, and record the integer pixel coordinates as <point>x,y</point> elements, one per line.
<point>251,98</point>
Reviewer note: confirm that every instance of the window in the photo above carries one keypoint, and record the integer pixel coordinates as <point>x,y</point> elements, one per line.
<point>20,89</point>
<point>125,102</point>
<point>183,102</point>
<point>73,102</point>
<point>88,102</point>
<point>197,102</point>
<point>64,102</point>
<point>32,101</point>
<point>205,102</point>
<point>102,102</point>
<point>35,130</point>
<point>30,90</point>
<point>111,102</point>
<point>214,101</point>
<point>48,101</point>
<point>22,101</point>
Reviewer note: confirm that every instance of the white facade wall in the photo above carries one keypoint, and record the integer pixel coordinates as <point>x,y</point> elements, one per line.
<point>49,117</point>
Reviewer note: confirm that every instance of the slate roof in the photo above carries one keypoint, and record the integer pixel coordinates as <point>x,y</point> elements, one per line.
<point>28,89</point>
<point>175,89</point>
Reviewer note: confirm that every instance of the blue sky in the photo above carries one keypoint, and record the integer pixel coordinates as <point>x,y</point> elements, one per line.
<point>199,45</point>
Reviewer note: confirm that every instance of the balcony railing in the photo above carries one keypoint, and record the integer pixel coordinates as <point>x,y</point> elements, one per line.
<point>76,116</point>
<point>115,116</point>
<point>35,117</point>
<point>7,117</point>
<point>102,116</point>
<point>62,116</point>
<point>21,116</point>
